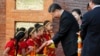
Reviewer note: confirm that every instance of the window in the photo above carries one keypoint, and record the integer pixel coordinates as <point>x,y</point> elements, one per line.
<point>29,4</point>
<point>26,25</point>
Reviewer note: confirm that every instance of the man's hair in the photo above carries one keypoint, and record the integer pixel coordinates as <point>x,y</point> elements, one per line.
<point>97,2</point>
<point>53,7</point>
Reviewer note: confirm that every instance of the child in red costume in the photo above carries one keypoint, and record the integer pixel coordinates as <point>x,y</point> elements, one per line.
<point>30,42</point>
<point>11,48</point>
<point>39,41</point>
<point>50,50</point>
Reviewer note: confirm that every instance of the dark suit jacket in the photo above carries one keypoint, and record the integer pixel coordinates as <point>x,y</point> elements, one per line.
<point>67,33</point>
<point>91,33</point>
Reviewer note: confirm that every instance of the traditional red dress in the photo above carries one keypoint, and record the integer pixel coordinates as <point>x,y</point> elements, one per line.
<point>22,45</point>
<point>46,35</point>
<point>11,45</point>
<point>30,42</point>
<point>38,42</point>
<point>50,50</point>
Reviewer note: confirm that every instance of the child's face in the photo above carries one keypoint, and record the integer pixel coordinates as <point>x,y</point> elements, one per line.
<point>49,26</point>
<point>34,34</point>
<point>40,32</point>
<point>26,35</point>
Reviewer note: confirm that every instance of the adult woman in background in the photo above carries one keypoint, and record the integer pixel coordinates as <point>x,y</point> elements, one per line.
<point>78,16</point>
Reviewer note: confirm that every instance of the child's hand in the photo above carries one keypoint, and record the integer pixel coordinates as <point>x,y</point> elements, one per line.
<point>37,50</point>
<point>45,43</point>
<point>49,42</point>
<point>41,47</point>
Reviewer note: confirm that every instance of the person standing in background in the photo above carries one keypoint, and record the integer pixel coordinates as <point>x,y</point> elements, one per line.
<point>91,30</point>
<point>78,16</point>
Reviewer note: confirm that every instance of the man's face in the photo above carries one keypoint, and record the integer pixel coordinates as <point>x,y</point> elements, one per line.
<point>55,14</point>
<point>89,9</point>
<point>91,4</point>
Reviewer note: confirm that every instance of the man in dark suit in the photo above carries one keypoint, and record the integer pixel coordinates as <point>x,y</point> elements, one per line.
<point>67,30</point>
<point>91,30</point>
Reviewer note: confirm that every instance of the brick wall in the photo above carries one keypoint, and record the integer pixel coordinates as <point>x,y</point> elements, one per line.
<point>9,15</point>
<point>73,4</point>
<point>14,15</point>
<point>68,5</point>
<point>2,24</point>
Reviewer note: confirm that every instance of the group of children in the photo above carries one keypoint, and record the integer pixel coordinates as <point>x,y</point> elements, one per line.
<point>31,42</point>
